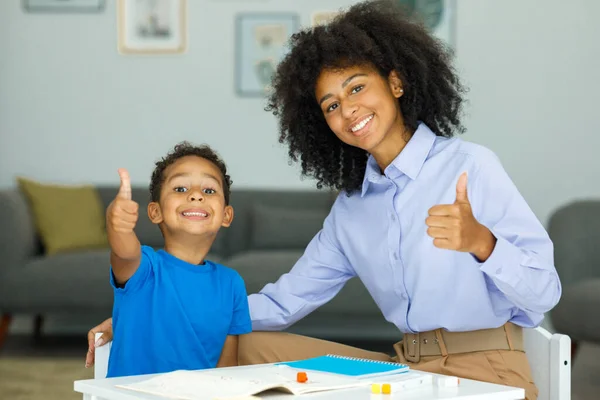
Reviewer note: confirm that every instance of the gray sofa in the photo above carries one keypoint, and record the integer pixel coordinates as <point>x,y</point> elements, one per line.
<point>574,229</point>
<point>268,235</point>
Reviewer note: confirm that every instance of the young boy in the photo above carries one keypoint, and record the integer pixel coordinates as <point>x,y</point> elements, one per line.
<point>173,309</point>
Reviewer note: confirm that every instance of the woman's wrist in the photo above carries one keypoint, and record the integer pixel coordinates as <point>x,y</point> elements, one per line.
<point>486,244</point>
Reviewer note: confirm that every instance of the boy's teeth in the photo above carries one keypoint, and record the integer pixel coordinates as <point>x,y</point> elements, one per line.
<point>362,124</point>
<point>194,214</point>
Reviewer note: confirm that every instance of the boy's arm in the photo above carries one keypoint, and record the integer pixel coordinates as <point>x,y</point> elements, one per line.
<point>240,324</point>
<point>229,354</point>
<point>121,217</point>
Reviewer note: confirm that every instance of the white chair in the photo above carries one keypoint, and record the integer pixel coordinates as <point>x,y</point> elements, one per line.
<point>550,360</point>
<point>549,356</point>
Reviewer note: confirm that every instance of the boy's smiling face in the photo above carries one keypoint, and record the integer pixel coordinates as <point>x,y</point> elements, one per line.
<point>192,199</point>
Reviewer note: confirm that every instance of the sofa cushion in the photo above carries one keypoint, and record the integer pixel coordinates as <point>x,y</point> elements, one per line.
<point>285,228</point>
<point>67,217</point>
<point>76,280</point>
<point>73,281</point>
<point>347,328</point>
<point>261,267</point>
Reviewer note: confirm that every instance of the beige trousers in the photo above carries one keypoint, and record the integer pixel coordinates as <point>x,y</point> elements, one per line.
<point>505,367</point>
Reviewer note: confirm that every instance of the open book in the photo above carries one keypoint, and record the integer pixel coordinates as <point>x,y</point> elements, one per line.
<point>232,383</point>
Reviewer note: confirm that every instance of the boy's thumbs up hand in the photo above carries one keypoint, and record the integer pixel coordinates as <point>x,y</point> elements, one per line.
<point>125,188</point>
<point>453,226</point>
<point>122,213</point>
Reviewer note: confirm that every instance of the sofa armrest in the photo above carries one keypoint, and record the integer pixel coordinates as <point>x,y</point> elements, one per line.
<point>18,240</point>
<point>573,229</point>
<point>577,311</point>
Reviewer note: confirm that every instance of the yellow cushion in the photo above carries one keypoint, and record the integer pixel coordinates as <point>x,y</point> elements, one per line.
<point>67,217</point>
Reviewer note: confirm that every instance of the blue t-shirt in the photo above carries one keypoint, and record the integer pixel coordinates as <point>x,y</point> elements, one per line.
<point>174,315</point>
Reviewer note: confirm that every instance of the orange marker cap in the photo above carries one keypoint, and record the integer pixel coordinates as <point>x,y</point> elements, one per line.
<point>301,377</point>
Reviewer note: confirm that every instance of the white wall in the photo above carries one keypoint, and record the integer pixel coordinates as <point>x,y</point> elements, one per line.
<point>533,67</point>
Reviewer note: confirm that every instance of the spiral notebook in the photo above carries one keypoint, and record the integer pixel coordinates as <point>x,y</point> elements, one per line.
<point>349,366</point>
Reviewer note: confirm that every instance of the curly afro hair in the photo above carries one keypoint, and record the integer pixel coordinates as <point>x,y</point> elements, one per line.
<point>185,149</point>
<point>377,34</point>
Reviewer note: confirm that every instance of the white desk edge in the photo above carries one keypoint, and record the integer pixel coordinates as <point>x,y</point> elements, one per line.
<point>467,390</point>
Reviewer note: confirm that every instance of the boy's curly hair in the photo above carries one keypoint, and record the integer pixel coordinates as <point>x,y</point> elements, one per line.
<point>373,33</point>
<point>185,149</point>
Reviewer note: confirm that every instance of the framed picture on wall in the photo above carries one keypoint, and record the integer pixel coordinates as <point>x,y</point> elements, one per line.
<point>261,40</point>
<point>76,6</point>
<point>152,26</point>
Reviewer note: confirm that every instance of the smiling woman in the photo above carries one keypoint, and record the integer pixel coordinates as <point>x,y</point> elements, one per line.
<point>370,103</point>
<point>361,109</point>
<point>352,67</point>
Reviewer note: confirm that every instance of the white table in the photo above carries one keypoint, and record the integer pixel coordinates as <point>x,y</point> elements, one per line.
<point>97,389</point>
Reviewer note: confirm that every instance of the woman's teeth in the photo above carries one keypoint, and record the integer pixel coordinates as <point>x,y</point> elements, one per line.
<point>362,124</point>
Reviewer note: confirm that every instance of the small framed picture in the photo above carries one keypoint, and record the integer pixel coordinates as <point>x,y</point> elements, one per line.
<point>261,40</point>
<point>75,6</point>
<point>322,17</point>
<point>152,26</point>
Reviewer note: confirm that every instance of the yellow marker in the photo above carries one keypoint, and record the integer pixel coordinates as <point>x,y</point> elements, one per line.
<point>375,388</point>
<point>386,388</point>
